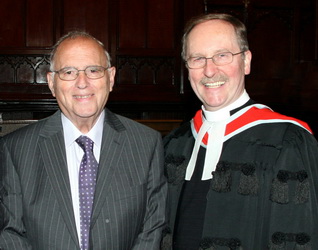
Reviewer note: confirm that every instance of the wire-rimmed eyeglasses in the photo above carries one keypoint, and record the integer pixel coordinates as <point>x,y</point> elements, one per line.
<point>219,59</point>
<point>71,73</point>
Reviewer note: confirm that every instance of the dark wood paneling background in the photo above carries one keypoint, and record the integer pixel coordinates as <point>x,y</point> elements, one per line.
<point>143,38</point>
<point>283,40</point>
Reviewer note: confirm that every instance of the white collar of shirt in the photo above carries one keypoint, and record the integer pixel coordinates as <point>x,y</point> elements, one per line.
<point>71,132</point>
<point>214,124</point>
<point>224,113</point>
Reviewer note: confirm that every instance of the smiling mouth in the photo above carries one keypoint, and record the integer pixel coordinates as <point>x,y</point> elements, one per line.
<point>214,84</point>
<point>82,96</point>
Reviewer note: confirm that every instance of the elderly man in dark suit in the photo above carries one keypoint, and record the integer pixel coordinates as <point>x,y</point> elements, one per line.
<point>84,178</point>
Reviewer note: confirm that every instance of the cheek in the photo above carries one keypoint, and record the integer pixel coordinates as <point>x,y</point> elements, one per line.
<point>235,72</point>
<point>102,91</point>
<point>62,92</point>
<point>195,77</point>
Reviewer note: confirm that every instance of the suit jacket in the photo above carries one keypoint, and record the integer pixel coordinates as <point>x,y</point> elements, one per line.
<point>35,198</point>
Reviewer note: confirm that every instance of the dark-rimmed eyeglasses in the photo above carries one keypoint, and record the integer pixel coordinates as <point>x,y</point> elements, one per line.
<point>71,73</point>
<point>218,59</point>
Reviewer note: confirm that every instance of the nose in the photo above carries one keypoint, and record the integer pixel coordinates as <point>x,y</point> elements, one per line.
<point>81,80</point>
<point>210,68</point>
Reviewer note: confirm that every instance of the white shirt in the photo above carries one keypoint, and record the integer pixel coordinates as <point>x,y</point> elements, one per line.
<point>74,155</point>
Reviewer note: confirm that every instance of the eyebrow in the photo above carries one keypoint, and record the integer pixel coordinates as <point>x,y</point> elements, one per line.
<point>216,52</point>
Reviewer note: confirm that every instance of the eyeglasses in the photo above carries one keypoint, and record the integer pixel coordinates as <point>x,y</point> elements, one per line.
<point>71,73</point>
<point>219,59</point>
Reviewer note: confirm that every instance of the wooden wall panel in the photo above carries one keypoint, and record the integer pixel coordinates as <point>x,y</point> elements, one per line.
<point>152,23</point>
<point>145,70</point>
<point>160,29</point>
<point>90,16</point>
<point>39,23</point>
<point>268,3</point>
<point>131,24</point>
<point>74,15</point>
<point>307,38</point>
<point>17,69</point>
<point>272,44</point>
<point>144,55</point>
<point>12,26</point>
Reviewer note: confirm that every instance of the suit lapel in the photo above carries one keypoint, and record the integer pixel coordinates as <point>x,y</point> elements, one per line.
<point>54,156</point>
<point>111,149</point>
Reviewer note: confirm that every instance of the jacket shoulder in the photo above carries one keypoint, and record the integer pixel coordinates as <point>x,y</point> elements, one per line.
<point>183,130</point>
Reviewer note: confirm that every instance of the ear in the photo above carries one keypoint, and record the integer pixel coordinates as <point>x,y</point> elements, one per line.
<point>247,62</point>
<point>50,81</point>
<point>111,73</point>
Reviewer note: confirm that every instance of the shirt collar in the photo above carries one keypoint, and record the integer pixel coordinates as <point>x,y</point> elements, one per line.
<point>224,113</point>
<point>71,132</point>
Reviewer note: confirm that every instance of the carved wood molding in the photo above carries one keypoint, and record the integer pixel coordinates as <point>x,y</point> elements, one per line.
<point>24,68</point>
<point>145,70</point>
<point>32,69</point>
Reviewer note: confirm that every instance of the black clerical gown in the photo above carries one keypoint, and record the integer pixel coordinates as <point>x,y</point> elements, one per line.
<point>263,194</point>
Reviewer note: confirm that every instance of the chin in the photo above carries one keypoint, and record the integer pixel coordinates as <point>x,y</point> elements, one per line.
<point>86,114</point>
<point>213,106</point>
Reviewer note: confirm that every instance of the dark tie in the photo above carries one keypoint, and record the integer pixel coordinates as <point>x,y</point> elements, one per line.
<point>87,180</point>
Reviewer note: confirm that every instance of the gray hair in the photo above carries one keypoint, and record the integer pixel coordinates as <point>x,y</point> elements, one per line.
<point>239,28</point>
<point>74,35</point>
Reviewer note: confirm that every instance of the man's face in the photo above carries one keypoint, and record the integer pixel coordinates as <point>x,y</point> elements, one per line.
<point>83,99</point>
<point>217,86</point>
